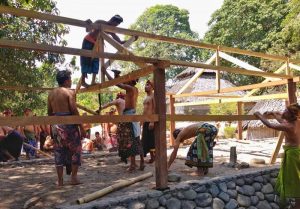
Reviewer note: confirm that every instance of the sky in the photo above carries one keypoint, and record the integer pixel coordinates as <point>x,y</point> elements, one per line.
<point>200,13</point>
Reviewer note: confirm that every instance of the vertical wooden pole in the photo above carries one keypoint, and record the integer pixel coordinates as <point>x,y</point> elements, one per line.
<point>172,122</point>
<point>278,145</point>
<point>291,90</point>
<point>160,129</point>
<point>102,67</point>
<point>218,72</point>
<point>240,123</point>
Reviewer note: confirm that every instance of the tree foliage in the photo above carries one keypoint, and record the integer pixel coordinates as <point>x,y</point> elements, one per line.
<point>223,109</point>
<point>24,67</point>
<point>247,24</point>
<point>167,20</point>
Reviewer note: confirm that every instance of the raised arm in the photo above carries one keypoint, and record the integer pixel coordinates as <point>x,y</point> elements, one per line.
<point>279,127</point>
<point>114,102</point>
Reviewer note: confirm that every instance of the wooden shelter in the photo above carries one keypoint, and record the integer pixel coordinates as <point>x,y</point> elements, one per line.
<point>149,65</point>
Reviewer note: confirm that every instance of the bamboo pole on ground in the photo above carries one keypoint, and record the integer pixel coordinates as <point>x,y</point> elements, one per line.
<point>40,151</point>
<point>112,188</point>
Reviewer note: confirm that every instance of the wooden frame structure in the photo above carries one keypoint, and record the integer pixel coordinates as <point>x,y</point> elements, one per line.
<point>157,67</point>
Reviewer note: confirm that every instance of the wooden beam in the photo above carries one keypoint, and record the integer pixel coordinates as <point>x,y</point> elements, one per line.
<point>195,44</point>
<point>25,88</point>
<point>107,28</point>
<point>172,123</point>
<point>122,79</point>
<point>278,145</point>
<point>210,117</point>
<point>243,99</point>
<point>102,63</point>
<point>238,88</point>
<point>240,124</point>
<point>86,109</point>
<point>296,67</point>
<point>218,76</point>
<point>291,90</point>
<point>121,48</point>
<point>229,69</point>
<point>45,120</point>
<point>161,169</point>
<point>126,44</point>
<point>266,80</point>
<point>194,78</point>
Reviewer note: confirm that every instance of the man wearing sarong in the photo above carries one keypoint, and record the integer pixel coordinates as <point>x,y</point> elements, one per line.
<point>67,138</point>
<point>200,153</point>
<point>148,140</point>
<point>128,133</point>
<point>30,132</point>
<point>10,143</point>
<point>90,65</point>
<point>288,180</point>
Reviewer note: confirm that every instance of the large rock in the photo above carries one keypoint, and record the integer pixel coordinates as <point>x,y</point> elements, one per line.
<point>232,193</point>
<point>254,200</point>
<point>240,182</point>
<point>174,177</point>
<point>267,189</point>
<point>249,180</point>
<point>243,200</point>
<point>274,205</point>
<point>248,190</point>
<point>180,195</point>
<point>232,204</point>
<point>218,203</point>
<point>263,205</point>
<point>203,200</point>
<point>162,201</point>
<point>173,203</point>
<point>190,194</point>
<point>259,179</point>
<point>270,197</point>
<point>136,205</point>
<point>231,185</point>
<point>260,195</point>
<point>240,190</point>
<point>201,189</point>
<point>223,187</point>
<point>188,204</point>
<point>214,190</point>
<point>257,161</point>
<point>152,204</point>
<point>257,186</point>
<point>224,196</point>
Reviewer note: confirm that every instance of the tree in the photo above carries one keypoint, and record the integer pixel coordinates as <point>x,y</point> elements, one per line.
<point>24,67</point>
<point>223,109</point>
<point>247,24</point>
<point>167,20</point>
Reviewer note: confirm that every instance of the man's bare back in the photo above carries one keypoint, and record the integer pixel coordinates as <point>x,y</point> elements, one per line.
<point>59,100</point>
<point>148,105</point>
<point>131,96</point>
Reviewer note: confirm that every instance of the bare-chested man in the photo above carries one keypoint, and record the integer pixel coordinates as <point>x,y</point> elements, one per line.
<point>31,133</point>
<point>288,180</point>
<point>148,139</point>
<point>119,102</point>
<point>10,143</point>
<point>67,138</point>
<point>200,153</point>
<point>129,133</point>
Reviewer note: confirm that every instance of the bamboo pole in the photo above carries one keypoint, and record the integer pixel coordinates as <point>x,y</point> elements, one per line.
<point>240,124</point>
<point>86,109</point>
<point>112,188</point>
<point>38,150</point>
<point>218,80</point>
<point>172,122</point>
<point>277,148</point>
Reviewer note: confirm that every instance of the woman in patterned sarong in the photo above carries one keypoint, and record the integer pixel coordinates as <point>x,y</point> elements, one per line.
<point>200,153</point>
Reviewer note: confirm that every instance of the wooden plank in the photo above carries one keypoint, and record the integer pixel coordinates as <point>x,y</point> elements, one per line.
<point>278,145</point>
<point>218,79</point>
<point>126,44</point>
<point>121,48</point>
<point>25,88</point>
<point>266,80</point>
<point>172,123</point>
<point>210,117</point>
<point>107,28</point>
<point>243,99</point>
<point>102,63</point>
<point>44,120</point>
<point>240,124</point>
<point>291,90</point>
<point>86,109</point>
<point>194,78</point>
<point>161,169</point>
<point>296,67</point>
<point>229,69</point>
<point>122,79</point>
<point>195,44</point>
<point>78,86</point>
<point>239,88</point>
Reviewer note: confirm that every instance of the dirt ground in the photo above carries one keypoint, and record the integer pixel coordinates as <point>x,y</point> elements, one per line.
<point>20,182</point>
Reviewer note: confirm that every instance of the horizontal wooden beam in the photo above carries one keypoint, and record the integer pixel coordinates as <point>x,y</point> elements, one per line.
<point>122,79</point>
<point>86,109</point>
<point>45,120</point>
<point>238,88</point>
<point>25,88</point>
<point>229,69</point>
<point>243,99</point>
<point>210,117</point>
<point>107,28</point>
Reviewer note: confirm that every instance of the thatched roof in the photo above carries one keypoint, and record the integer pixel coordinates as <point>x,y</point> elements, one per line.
<point>277,105</point>
<point>205,82</point>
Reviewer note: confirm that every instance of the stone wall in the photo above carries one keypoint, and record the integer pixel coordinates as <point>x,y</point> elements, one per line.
<point>252,190</point>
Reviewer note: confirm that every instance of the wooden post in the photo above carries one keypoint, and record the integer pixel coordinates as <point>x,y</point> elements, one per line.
<point>172,122</point>
<point>218,72</point>
<point>240,123</point>
<point>101,50</point>
<point>233,155</point>
<point>161,170</point>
